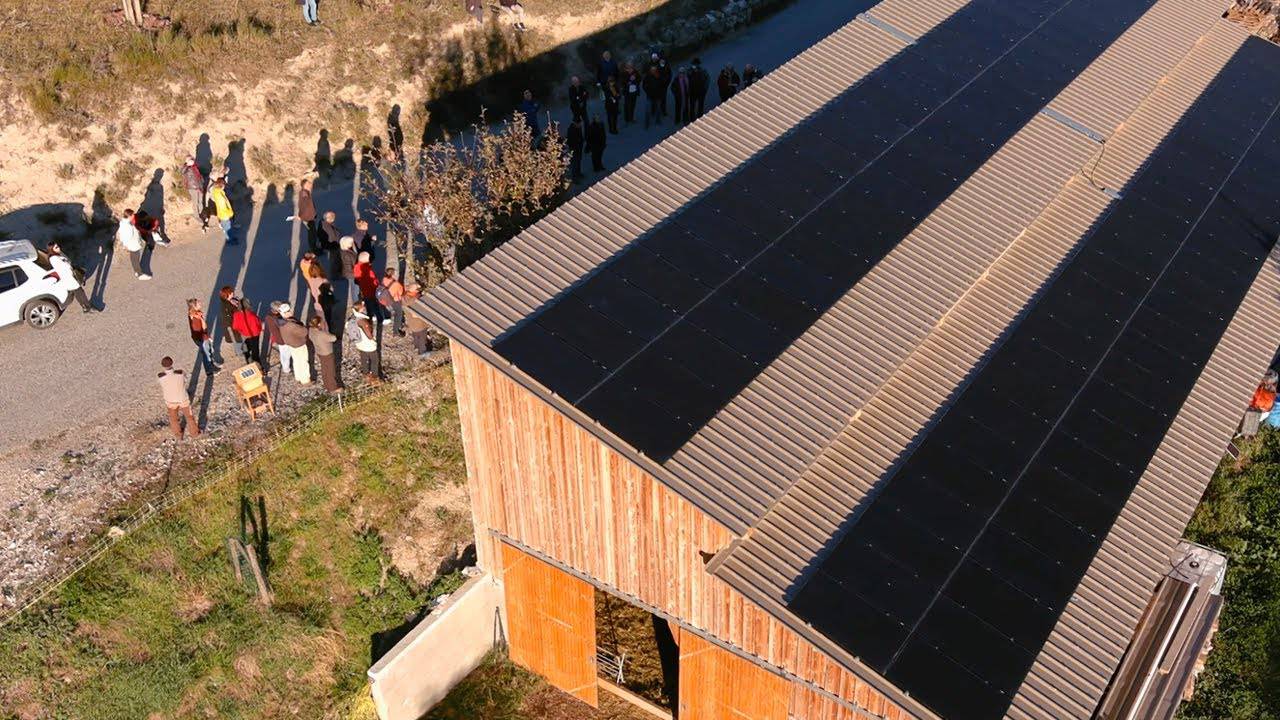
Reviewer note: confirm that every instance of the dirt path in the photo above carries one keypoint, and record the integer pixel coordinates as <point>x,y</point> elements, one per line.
<point>80,419</point>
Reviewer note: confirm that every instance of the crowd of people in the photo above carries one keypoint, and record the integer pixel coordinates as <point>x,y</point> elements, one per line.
<point>617,90</point>
<point>337,267</point>
<point>308,342</point>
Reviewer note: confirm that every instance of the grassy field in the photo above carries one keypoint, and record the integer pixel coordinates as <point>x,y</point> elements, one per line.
<point>1240,515</point>
<point>159,628</point>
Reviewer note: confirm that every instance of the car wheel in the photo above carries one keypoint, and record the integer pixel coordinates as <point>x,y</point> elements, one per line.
<point>41,314</point>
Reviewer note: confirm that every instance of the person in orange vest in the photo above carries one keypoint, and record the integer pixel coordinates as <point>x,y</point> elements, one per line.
<point>391,295</point>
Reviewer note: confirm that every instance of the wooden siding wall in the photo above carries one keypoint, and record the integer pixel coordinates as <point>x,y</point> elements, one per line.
<point>551,623</point>
<point>716,684</point>
<point>539,478</point>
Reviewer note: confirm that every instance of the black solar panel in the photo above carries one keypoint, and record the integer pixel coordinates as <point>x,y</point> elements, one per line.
<point>1046,444</point>
<point>765,253</point>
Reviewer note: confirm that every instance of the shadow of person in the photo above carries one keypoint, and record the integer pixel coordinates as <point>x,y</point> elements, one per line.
<point>395,133</point>
<point>153,201</point>
<point>100,216</point>
<point>323,158</point>
<point>344,161</point>
<point>204,156</point>
<point>237,174</point>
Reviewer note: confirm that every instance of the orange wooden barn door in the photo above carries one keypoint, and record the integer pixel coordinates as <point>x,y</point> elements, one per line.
<point>551,623</point>
<point>715,684</point>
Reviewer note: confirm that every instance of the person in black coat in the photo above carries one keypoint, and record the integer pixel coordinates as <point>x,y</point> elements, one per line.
<point>596,139</point>
<point>699,83</point>
<point>631,82</point>
<point>575,140</point>
<point>577,98</point>
<point>655,93</point>
<point>612,101</point>
<point>664,72</point>
<point>680,93</point>
<point>607,68</point>
<point>728,82</point>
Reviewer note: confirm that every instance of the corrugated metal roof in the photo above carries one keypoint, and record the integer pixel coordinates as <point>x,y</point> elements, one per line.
<point>1089,640</point>
<point>788,459</point>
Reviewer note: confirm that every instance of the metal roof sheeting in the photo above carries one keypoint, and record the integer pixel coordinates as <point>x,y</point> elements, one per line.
<point>789,458</point>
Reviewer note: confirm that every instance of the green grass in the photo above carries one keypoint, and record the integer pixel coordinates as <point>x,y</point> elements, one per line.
<point>1240,515</point>
<point>159,628</point>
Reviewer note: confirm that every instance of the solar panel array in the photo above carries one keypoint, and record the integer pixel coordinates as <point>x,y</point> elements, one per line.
<point>953,576</point>
<point>675,326</point>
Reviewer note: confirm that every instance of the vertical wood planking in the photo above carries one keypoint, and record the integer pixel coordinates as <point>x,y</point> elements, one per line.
<point>551,623</point>
<point>537,477</point>
<point>716,684</point>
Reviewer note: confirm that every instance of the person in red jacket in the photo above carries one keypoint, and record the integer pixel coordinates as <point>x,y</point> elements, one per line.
<point>246,322</point>
<point>367,280</point>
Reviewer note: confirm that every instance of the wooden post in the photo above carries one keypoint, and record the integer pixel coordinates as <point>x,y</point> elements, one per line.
<point>133,12</point>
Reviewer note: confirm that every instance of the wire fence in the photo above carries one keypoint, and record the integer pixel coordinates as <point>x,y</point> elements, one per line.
<point>280,431</point>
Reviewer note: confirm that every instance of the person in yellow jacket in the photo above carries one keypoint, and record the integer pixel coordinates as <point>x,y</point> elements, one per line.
<point>222,208</point>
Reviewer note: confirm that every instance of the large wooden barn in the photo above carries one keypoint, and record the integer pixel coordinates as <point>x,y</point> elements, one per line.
<point>892,383</point>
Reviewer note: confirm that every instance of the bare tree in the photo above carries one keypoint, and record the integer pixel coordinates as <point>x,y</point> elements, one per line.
<point>455,193</point>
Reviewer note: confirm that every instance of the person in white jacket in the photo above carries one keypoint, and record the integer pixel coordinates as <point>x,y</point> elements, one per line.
<point>130,239</point>
<point>67,276</point>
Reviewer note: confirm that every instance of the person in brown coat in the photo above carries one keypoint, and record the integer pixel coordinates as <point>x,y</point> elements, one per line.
<point>294,336</point>
<point>418,329</point>
<point>229,305</point>
<point>173,386</point>
<point>307,214</point>
<point>322,341</point>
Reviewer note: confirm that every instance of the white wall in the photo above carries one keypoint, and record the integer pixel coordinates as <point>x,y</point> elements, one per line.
<point>447,645</point>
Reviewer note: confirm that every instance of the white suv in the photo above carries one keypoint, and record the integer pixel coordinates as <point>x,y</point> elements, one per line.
<point>29,288</point>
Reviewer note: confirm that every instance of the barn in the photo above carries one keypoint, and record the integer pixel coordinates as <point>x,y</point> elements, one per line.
<point>892,383</point>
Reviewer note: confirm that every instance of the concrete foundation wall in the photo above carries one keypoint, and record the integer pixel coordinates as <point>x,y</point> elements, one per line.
<point>447,645</point>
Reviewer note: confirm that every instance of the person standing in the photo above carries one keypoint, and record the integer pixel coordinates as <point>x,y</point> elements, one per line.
<point>246,322</point>
<point>273,334</point>
<point>309,12</point>
<point>612,103</point>
<point>750,75</point>
<point>173,388</point>
<point>228,306</point>
<point>727,83</point>
<point>367,282</point>
<point>605,69</point>
<point>71,277</point>
<point>699,83</point>
<point>577,98</point>
<point>575,139</point>
<point>394,295</point>
<point>329,232</point>
<point>530,108</point>
<point>654,95</point>
<point>223,210</point>
<point>200,334</point>
<point>596,140</point>
<point>363,239</point>
<point>131,240</point>
<point>194,182</point>
<point>418,329</point>
<point>631,82</point>
<point>345,264</point>
<point>360,328</point>
<point>294,336</point>
<point>322,340</point>
<point>680,93</point>
<point>664,72</point>
<point>307,214</point>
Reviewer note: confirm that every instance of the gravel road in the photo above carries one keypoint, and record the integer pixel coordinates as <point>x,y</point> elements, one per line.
<point>81,422</point>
